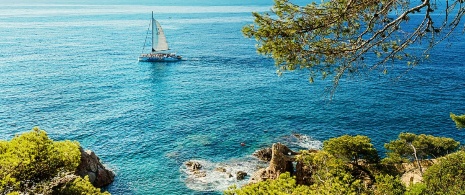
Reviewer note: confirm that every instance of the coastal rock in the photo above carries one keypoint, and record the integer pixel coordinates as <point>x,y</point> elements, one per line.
<point>259,175</point>
<point>57,184</point>
<point>240,175</point>
<point>91,166</point>
<point>411,171</point>
<point>200,174</point>
<point>220,169</point>
<point>193,166</point>
<point>264,154</point>
<point>281,161</point>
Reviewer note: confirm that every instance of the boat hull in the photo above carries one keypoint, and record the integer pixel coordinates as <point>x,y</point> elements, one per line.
<point>159,58</point>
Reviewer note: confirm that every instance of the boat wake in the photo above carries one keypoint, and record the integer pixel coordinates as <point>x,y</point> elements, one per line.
<point>190,59</point>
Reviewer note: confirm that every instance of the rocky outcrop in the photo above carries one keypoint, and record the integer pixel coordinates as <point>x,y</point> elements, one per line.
<point>220,169</point>
<point>57,184</point>
<point>412,173</point>
<point>280,162</point>
<point>91,166</point>
<point>195,168</point>
<point>264,154</point>
<point>240,175</point>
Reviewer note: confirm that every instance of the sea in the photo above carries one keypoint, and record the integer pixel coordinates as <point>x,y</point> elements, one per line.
<point>71,68</point>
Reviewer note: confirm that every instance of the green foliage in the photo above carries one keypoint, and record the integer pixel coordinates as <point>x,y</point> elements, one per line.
<point>332,170</point>
<point>416,189</point>
<point>285,184</point>
<point>426,147</point>
<point>389,185</point>
<point>8,184</point>
<point>459,120</point>
<point>330,174</point>
<point>323,164</point>
<point>343,183</point>
<point>335,37</point>
<point>351,148</point>
<point>32,157</point>
<point>80,186</point>
<point>447,176</point>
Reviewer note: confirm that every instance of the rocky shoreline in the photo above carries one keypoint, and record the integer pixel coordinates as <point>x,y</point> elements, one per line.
<point>90,166</point>
<point>281,159</point>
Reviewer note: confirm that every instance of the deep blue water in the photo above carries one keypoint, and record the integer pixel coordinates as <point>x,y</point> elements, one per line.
<point>72,70</point>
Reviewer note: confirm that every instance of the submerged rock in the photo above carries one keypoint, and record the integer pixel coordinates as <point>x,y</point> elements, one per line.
<point>91,166</point>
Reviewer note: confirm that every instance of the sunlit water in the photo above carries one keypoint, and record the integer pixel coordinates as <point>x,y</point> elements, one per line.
<point>73,71</point>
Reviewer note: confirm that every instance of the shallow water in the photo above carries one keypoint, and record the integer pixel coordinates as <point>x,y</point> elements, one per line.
<point>72,70</point>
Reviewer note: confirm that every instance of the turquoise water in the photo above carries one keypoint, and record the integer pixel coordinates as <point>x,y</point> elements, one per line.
<point>71,69</point>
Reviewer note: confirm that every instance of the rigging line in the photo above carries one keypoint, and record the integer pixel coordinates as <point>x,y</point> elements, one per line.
<point>146,35</point>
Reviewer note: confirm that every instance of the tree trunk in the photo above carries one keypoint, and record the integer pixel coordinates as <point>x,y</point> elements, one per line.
<point>416,158</point>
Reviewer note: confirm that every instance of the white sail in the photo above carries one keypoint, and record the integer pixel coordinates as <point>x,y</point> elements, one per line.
<point>159,42</point>
<point>159,46</point>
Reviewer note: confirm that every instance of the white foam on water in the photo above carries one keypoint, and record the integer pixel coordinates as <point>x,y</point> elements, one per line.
<point>208,178</point>
<point>215,180</point>
<point>307,142</point>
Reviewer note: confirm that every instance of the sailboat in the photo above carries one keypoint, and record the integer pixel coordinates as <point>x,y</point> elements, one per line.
<point>160,50</point>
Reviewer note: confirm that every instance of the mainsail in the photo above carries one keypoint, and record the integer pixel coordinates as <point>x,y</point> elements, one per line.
<point>159,51</point>
<point>159,42</point>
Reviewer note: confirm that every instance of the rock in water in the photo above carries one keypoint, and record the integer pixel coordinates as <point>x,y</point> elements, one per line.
<point>193,166</point>
<point>220,169</point>
<point>90,165</point>
<point>240,175</point>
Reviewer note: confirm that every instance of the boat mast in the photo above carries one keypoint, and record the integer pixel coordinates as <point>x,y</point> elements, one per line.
<point>153,33</point>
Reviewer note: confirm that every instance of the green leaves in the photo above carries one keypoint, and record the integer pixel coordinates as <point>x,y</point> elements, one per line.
<point>351,148</point>
<point>337,35</point>
<point>32,157</point>
<point>426,146</point>
<point>333,171</point>
<point>459,120</point>
<point>389,185</point>
<point>447,176</point>
<point>285,184</point>
<point>80,186</point>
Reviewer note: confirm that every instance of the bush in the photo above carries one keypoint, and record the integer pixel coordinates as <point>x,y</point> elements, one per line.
<point>426,147</point>
<point>389,185</point>
<point>31,160</point>
<point>447,176</point>
<point>80,186</point>
<point>351,148</point>
<point>459,120</point>
<point>285,184</point>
